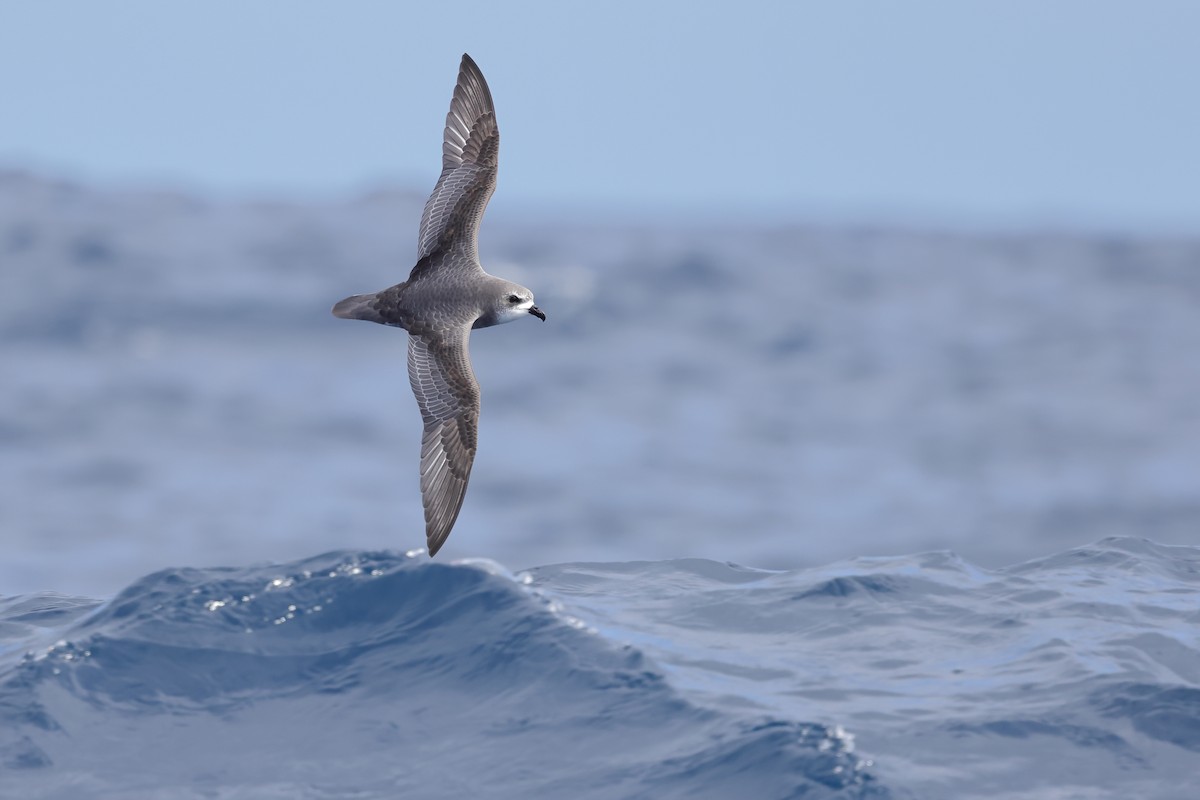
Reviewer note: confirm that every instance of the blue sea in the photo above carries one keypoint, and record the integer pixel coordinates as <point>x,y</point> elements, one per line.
<point>359,674</point>
<point>827,512</point>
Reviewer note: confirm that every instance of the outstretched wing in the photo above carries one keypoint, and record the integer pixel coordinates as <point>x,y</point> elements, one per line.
<point>439,368</point>
<point>470,149</point>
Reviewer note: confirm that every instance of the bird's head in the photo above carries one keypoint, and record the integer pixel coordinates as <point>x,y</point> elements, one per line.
<point>511,303</point>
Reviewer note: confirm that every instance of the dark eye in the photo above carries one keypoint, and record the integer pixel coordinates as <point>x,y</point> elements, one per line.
<point>512,298</point>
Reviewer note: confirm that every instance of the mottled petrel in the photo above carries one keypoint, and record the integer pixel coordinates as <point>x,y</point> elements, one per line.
<point>446,295</point>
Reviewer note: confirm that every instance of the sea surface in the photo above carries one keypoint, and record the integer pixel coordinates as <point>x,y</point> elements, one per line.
<point>360,674</point>
<point>829,512</point>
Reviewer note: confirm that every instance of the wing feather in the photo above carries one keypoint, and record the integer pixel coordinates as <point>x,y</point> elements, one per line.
<point>470,150</point>
<point>439,368</point>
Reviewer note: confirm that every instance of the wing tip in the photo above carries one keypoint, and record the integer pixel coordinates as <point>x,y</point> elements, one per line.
<point>470,103</point>
<point>467,65</point>
<point>435,537</point>
<point>471,88</point>
<point>443,503</point>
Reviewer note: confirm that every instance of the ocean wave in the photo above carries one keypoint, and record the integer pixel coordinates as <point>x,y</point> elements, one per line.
<point>371,674</point>
<point>378,674</point>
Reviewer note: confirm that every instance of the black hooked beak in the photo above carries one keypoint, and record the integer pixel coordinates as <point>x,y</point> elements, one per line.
<point>537,312</point>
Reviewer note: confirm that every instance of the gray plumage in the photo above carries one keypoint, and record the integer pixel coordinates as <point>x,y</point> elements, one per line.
<point>446,295</point>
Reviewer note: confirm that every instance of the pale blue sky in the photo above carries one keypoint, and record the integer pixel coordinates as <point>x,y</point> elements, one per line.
<point>1027,112</point>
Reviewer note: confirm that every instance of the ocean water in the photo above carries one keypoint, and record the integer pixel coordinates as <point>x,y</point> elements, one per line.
<point>183,424</point>
<point>360,674</point>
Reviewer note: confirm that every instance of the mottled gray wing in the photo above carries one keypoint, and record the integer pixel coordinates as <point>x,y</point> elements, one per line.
<point>439,368</point>
<point>470,149</point>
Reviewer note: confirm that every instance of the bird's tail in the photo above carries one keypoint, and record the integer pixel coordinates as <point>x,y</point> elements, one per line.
<point>360,306</point>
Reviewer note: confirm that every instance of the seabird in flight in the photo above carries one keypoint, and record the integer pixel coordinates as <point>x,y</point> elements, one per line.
<point>446,295</point>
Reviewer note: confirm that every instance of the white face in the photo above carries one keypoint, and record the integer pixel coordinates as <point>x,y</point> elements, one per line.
<point>516,305</point>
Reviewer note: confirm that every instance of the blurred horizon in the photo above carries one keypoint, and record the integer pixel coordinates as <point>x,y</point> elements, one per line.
<point>600,215</point>
<point>1075,115</point>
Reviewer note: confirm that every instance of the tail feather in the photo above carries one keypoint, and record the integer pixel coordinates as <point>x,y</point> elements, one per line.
<point>359,306</point>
